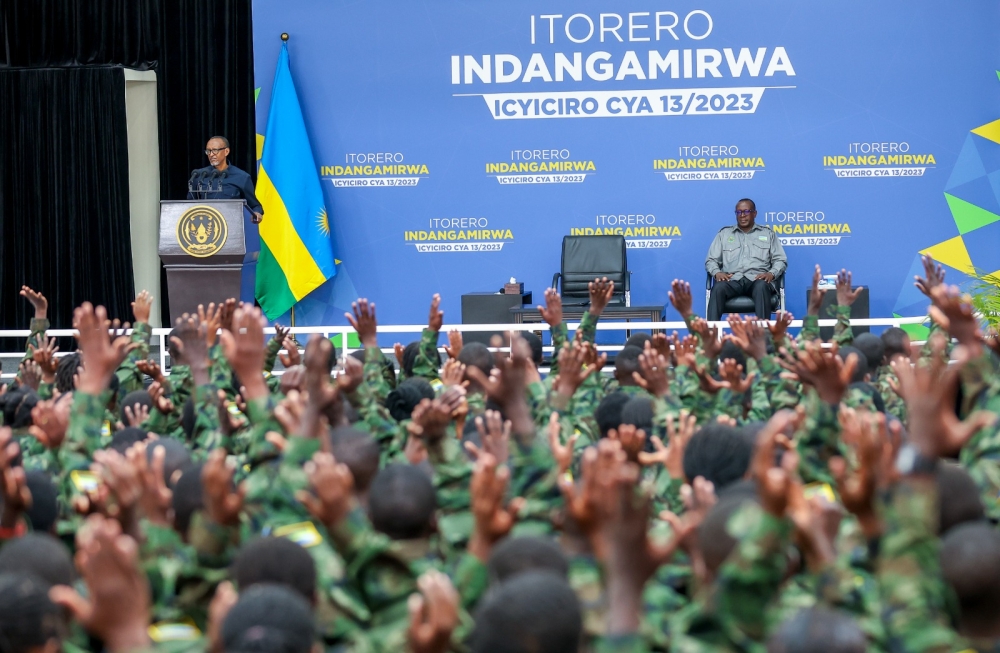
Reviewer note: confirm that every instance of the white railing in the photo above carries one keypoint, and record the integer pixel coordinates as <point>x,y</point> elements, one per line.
<point>160,335</point>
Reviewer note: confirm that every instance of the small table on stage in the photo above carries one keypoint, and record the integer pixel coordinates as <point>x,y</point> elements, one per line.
<point>575,313</point>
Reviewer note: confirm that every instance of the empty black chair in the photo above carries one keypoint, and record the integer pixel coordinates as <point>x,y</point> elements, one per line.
<point>585,258</point>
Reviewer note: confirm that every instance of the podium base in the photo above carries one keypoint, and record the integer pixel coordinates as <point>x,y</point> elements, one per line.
<point>190,285</point>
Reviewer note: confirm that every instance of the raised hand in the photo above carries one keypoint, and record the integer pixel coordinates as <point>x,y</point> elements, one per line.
<point>816,297</point>
<point>453,372</point>
<point>680,297</point>
<point>652,374</point>
<point>493,521</point>
<point>552,312</point>
<point>291,356</point>
<point>210,319</point>
<point>30,374</point>
<point>142,306</point>
<point>563,453</point>
<point>156,498</point>
<point>227,310</point>
<point>685,350</point>
<point>364,322</point>
<point>846,296</point>
<point>821,368</point>
<point>494,437</point>
<point>244,349</point>
<point>632,440</point>
<point>749,336</point>
<point>601,292</point>
<point>433,613</point>
<point>773,480</point>
<point>191,345</point>
<point>732,377</point>
<point>866,434</point>
<point>50,421</point>
<point>289,411</point>
<point>436,317</point>
<point>136,414</point>
<point>158,395</point>
<point>455,344</point>
<point>933,276</point>
<point>929,392</point>
<point>953,311</point>
<point>352,376</point>
<point>223,502</point>
<point>708,337</point>
<point>671,455</point>
<point>45,356</point>
<point>38,301</point>
<point>431,417</point>
<point>150,369</point>
<point>324,398</point>
<point>779,328</point>
<point>332,496</point>
<point>281,334</point>
<point>117,607</point>
<point>229,423</point>
<point>572,369</point>
<point>99,354</point>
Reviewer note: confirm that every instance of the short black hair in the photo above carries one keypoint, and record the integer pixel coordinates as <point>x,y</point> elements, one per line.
<point>276,560</point>
<point>639,413</point>
<point>970,564</point>
<point>122,440</point>
<point>476,354</point>
<point>65,371</point>
<point>627,360</point>
<point>269,617</point>
<point>401,401</point>
<point>17,405</point>
<point>638,340</point>
<point>896,342</point>
<point>872,348</point>
<point>861,370</point>
<point>44,511</point>
<point>188,498</point>
<point>515,555</point>
<point>140,397</point>
<point>41,555</point>
<point>719,453</point>
<point>410,352</point>
<point>533,611</point>
<point>536,346</point>
<point>359,451</point>
<point>402,502</point>
<point>28,618</point>
<point>747,199</point>
<point>224,140</point>
<point>608,413</point>
<point>176,457</point>
<point>959,498</point>
<point>818,630</point>
<point>731,350</point>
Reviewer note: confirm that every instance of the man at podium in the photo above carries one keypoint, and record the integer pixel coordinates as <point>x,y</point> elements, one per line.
<point>222,181</point>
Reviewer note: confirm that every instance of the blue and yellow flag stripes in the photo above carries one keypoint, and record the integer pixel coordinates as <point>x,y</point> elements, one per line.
<point>296,249</point>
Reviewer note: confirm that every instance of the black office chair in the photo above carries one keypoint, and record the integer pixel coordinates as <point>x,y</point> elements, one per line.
<point>745,304</point>
<point>585,258</point>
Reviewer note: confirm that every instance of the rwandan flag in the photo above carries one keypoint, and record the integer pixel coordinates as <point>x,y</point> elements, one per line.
<point>296,251</point>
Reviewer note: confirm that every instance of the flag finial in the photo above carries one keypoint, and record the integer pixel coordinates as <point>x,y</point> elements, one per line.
<point>284,36</point>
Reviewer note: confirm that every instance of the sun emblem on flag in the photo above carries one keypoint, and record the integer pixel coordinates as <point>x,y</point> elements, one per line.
<point>323,222</point>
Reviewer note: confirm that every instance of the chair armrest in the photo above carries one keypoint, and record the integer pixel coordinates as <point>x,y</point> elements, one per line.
<point>780,281</point>
<point>708,280</point>
<point>628,280</point>
<point>555,280</point>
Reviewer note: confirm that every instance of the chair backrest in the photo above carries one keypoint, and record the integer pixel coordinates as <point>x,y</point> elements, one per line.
<point>585,258</point>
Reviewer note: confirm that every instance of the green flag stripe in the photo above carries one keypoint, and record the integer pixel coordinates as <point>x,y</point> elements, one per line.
<point>273,293</point>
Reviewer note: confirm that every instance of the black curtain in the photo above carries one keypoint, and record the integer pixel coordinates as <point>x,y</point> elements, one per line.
<point>202,52</point>
<point>64,203</point>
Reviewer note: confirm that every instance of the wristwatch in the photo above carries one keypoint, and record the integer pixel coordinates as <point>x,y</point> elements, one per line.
<point>909,461</point>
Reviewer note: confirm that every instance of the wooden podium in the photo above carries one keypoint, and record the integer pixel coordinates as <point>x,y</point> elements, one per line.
<point>209,249</point>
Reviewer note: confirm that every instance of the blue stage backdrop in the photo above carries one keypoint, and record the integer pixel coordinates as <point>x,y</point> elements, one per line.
<point>459,140</point>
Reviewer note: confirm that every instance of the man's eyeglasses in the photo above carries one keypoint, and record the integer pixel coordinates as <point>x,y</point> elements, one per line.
<point>214,150</point>
<point>744,212</point>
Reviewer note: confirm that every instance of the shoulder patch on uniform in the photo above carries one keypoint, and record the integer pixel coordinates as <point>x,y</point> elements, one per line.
<point>174,631</point>
<point>304,534</point>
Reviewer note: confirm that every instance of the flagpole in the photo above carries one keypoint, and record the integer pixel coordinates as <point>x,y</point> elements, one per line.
<point>293,316</point>
<point>284,38</point>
